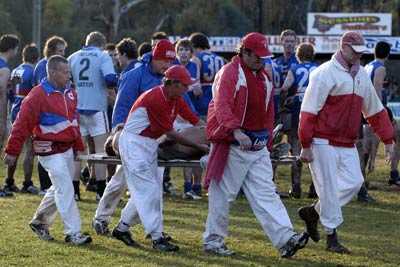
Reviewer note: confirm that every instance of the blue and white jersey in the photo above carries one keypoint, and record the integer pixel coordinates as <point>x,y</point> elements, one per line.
<point>301,74</point>
<point>282,67</point>
<point>276,74</point>
<point>194,74</point>
<point>277,83</point>
<point>10,95</point>
<point>23,74</point>
<point>40,71</point>
<point>371,68</point>
<point>93,71</point>
<point>3,64</point>
<point>210,65</point>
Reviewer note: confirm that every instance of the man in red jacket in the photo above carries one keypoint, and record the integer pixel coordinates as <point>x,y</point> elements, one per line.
<point>339,90</point>
<point>49,114</point>
<point>151,116</point>
<point>239,124</point>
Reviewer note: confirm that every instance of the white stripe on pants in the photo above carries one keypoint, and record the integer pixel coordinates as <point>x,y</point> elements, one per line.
<point>60,196</point>
<point>139,163</point>
<point>252,171</point>
<point>337,179</point>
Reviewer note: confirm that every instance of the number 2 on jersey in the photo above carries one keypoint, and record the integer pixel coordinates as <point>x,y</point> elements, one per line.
<point>85,62</point>
<point>304,78</point>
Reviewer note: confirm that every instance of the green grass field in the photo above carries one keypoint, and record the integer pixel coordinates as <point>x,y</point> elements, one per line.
<point>371,231</point>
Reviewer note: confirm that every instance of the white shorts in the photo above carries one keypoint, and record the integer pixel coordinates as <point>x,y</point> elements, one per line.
<point>94,124</point>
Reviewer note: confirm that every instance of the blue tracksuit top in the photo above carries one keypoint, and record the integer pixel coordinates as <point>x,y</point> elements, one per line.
<point>131,85</point>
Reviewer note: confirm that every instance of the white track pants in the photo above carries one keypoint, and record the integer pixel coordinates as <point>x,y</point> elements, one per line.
<point>60,196</point>
<point>337,178</point>
<point>113,193</point>
<point>253,172</point>
<point>144,179</point>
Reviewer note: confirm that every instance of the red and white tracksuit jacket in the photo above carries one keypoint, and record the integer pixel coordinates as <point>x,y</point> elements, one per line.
<point>51,118</point>
<point>332,105</point>
<point>227,111</point>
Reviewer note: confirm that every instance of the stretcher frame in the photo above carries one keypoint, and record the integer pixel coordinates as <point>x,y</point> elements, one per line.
<point>102,158</point>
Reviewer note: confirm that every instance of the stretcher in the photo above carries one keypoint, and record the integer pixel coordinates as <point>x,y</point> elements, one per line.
<point>112,160</point>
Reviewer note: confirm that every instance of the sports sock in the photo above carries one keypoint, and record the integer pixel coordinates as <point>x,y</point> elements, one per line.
<point>100,187</point>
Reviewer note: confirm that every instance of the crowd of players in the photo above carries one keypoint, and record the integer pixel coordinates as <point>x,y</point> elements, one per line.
<point>108,88</point>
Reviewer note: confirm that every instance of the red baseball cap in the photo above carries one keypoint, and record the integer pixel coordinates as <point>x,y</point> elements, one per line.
<point>164,50</point>
<point>178,73</point>
<point>355,40</point>
<point>257,43</point>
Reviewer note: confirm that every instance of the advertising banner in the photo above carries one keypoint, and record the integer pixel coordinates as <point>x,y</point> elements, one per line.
<point>322,44</point>
<point>338,23</point>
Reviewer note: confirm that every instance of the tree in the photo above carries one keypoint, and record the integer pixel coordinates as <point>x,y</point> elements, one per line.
<point>111,17</point>
<point>212,17</point>
<point>5,21</point>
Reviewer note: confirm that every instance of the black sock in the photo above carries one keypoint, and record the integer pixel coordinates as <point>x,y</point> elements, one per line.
<point>92,181</point>
<point>10,181</point>
<point>394,175</point>
<point>27,184</point>
<point>76,188</point>
<point>44,178</point>
<point>166,175</point>
<point>100,187</point>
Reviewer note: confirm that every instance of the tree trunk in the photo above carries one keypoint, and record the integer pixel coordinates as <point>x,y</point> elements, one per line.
<point>117,13</point>
<point>116,16</point>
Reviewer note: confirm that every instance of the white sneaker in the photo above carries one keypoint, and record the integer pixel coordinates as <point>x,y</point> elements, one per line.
<point>220,251</point>
<point>30,190</point>
<point>42,192</point>
<point>101,227</point>
<point>203,162</point>
<point>170,189</point>
<point>41,231</point>
<point>78,239</point>
<point>296,242</point>
<point>191,195</point>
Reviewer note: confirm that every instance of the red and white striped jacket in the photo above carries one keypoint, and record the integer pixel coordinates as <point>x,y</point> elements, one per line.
<point>332,105</point>
<point>51,118</point>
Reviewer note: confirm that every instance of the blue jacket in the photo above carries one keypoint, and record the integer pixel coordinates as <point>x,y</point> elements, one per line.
<point>131,66</point>
<point>132,84</point>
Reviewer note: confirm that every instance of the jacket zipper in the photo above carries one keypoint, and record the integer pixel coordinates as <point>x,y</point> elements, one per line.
<point>350,110</point>
<point>245,107</point>
<point>65,103</point>
<point>66,107</point>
